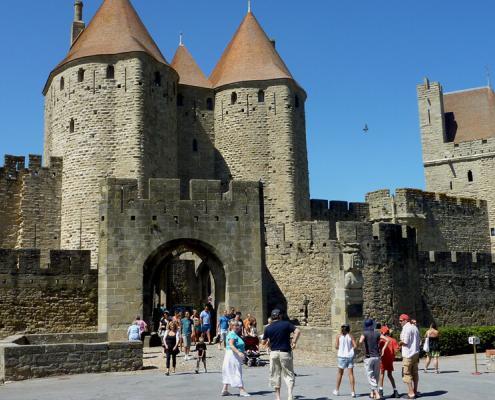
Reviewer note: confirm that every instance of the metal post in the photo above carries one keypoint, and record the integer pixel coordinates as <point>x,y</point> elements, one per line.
<point>476,372</point>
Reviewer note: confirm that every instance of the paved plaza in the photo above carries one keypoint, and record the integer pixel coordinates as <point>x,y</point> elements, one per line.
<point>454,383</point>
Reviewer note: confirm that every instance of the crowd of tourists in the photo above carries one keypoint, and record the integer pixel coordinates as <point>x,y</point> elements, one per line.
<point>238,336</point>
<point>380,350</point>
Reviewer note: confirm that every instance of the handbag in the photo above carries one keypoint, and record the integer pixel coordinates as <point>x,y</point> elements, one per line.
<point>426,345</point>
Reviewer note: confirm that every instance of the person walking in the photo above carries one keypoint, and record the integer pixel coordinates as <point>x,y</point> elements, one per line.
<point>409,342</point>
<point>133,333</point>
<point>233,360</point>
<point>345,346</point>
<point>223,329</point>
<point>205,317</point>
<point>201,350</point>
<point>186,333</point>
<point>171,342</point>
<point>387,362</point>
<point>371,339</point>
<point>277,337</point>
<point>432,336</point>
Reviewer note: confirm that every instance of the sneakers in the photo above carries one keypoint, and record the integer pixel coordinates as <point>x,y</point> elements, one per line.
<point>335,392</point>
<point>244,394</point>
<point>396,395</point>
<point>353,395</point>
<point>196,371</point>
<point>225,393</point>
<point>380,392</point>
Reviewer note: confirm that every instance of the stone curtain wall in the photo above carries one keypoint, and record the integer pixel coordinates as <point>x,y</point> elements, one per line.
<point>443,223</point>
<point>303,266</point>
<point>123,126</point>
<point>458,288</point>
<point>195,126</point>
<point>34,356</point>
<point>30,205</point>
<point>266,140</point>
<point>61,298</point>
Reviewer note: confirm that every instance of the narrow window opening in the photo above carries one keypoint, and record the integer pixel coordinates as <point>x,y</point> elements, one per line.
<point>261,96</point>
<point>233,98</point>
<point>158,79</point>
<point>492,231</point>
<point>195,145</point>
<point>429,117</point>
<point>133,217</point>
<point>80,75</point>
<point>296,100</point>
<point>180,100</point>
<point>72,125</point>
<point>110,72</point>
<point>62,83</point>
<point>209,103</point>
<point>470,176</point>
<point>451,185</point>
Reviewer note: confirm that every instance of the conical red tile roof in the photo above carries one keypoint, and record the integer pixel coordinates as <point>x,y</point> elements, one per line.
<point>188,70</point>
<point>250,56</point>
<point>115,29</point>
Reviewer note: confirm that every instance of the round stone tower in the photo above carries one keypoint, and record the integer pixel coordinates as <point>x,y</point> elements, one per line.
<point>110,111</point>
<point>260,128</point>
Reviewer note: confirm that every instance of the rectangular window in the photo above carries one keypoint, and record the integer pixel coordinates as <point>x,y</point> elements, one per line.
<point>492,231</point>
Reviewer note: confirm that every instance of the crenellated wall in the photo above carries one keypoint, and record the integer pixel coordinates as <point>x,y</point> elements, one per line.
<point>443,223</point>
<point>35,299</point>
<point>30,204</point>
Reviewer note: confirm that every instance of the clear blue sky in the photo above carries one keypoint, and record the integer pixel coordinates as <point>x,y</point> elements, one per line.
<point>358,60</point>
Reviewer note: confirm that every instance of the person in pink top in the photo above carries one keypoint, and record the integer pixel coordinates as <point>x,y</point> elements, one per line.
<point>143,327</point>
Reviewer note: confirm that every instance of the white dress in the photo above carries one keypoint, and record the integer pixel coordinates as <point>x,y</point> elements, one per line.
<point>232,369</point>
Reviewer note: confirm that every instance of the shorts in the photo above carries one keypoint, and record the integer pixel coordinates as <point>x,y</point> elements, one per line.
<point>345,362</point>
<point>433,354</point>
<point>205,328</point>
<point>410,369</point>
<point>186,340</point>
<point>387,365</point>
<point>223,335</point>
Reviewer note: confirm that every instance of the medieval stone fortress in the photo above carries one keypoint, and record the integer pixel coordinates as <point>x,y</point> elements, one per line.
<point>154,175</point>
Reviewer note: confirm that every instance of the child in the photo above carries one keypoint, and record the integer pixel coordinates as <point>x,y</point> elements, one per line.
<point>201,349</point>
<point>387,361</point>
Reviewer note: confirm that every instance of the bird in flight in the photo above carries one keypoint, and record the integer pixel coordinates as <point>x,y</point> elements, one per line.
<point>366,129</point>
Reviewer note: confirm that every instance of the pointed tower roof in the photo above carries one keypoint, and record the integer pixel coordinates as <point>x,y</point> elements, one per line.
<point>250,56</point>
<point>188,70</point>
<point>115,29</point>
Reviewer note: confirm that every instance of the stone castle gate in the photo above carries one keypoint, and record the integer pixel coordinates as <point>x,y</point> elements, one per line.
<point>220,233</point>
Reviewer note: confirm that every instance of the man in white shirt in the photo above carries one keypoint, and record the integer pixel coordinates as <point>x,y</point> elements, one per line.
<point>410,342</point>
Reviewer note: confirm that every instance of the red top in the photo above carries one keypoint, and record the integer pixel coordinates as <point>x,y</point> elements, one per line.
<point>389,355</point>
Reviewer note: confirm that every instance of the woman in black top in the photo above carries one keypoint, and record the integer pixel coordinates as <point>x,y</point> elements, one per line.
<point>171,343</point>
<point>433,337</point>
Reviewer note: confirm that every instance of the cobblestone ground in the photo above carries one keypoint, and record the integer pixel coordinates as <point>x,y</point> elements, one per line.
<point>154,359</point>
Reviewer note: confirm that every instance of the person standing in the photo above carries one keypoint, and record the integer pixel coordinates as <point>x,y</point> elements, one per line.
<point>371,339</point>
<point>409,342</point>
<point>233,360</point>
<point>201,350</point>
<point>133,333</point>
<point>223,329</point>
<point>433,353</point>
<point>186,333</point>
<point>278,338</point>
<point>143,327</point>
<point>196,328</point>
<point>205,317</point>
<point>345,346</point>
<point>387,361</point>
<point>171,342</point>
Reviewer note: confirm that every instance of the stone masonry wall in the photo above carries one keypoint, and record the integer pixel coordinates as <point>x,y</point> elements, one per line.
<point>447,164</point>
<point>443,223</point>
<point>120,126</point>
<point>304,268</point>
<point>60,298</point>
<point>30,205</point>
<point>195,126</point>
<point>266,140</point>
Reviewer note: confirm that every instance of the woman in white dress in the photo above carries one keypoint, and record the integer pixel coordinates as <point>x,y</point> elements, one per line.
<point>232,363</point>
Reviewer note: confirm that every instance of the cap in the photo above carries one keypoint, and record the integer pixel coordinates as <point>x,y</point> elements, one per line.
<point>384,330</point>
<point>368,323</point>
<point>276,313</point>
<point>404,317</point>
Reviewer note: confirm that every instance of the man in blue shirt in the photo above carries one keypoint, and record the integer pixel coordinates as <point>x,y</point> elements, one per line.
<point>278,337</point>
<point>205,317</point>
<point>186,326</point>
<point>223,328</point>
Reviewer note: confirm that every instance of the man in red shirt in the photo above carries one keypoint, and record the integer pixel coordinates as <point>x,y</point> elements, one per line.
<point>387,361</point>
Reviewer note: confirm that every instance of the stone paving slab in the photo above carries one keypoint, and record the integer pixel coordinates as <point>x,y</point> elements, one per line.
<point>313,383</point>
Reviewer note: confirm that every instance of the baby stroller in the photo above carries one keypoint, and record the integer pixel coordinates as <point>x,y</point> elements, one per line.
<point>252,351</point>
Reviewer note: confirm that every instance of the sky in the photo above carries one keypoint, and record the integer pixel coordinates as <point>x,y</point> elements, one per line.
<point>359,61</point>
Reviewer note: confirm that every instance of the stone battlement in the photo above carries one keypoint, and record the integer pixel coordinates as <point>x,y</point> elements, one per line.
<point>450,259</point>
<point>73,263</point>
<point>14,165</point>
<point>304,233</point>
<point>338,210</point>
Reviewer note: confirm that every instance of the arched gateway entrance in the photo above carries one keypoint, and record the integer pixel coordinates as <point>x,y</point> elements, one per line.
<point>164,249</point>
<point>182,273</point>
